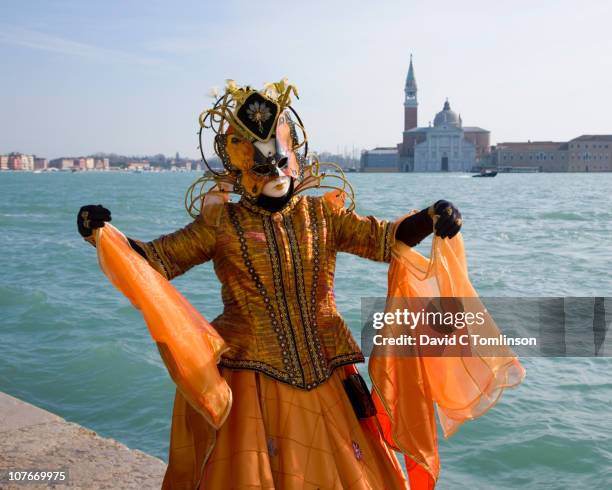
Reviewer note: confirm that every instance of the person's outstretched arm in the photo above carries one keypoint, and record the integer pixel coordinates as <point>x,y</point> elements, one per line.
<point>372,238</point>
<point>171,255</point>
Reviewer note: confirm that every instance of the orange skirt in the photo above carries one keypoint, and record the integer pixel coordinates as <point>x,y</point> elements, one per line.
<point>279,437</point>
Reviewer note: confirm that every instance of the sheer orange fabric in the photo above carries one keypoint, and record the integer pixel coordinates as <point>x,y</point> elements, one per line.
<point>188,344</point>
<point>406,389</point>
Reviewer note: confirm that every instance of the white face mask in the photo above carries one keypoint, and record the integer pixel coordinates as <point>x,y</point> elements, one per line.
<point>279,184</point>
<point>268,148</point>
<point>277,187</point>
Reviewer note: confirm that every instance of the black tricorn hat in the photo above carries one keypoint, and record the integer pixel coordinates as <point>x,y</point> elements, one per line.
<point>257,115</point>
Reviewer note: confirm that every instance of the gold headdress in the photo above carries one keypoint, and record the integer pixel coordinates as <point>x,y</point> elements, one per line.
<point>243,116</point>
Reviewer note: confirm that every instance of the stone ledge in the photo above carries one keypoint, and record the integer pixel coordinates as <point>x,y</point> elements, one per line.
<point>32,438</point>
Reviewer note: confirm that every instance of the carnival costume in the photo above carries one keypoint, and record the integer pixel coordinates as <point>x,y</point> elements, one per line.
<point>268,395</point>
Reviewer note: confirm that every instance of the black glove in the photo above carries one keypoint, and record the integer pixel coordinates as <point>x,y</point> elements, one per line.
<point>91,217</point>
<point>415,228</point>
<point>449,221</point>
<point>418,226</point>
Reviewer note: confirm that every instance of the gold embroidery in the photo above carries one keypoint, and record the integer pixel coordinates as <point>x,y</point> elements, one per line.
<point>312,339</point>
<point>290,352</point>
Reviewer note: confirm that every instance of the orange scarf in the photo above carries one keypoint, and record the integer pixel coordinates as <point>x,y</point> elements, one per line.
<point>188,344</point>
<point>406,388</point>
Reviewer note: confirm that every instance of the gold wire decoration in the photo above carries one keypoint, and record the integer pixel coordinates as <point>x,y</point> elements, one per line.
<point>194,197</point>
<point>314,179</point>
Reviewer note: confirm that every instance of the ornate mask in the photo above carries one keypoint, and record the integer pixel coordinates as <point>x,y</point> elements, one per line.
<point>259,138</point>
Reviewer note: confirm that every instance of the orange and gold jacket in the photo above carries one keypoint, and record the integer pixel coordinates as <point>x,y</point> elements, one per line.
<point>277,276</point>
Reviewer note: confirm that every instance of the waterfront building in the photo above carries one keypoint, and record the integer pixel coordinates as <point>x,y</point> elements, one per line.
<point>4,162</point>
<point>27,162</point>
<point>537,156</point>
<point>382,159</point>
<point>65,163</point>
<point>14,161</point>
<point>40,163</point>
<point>590,153</point>
<point>80,163</point>
<point>143,165</point>
<point>101,164</point>
<point>18,161</point>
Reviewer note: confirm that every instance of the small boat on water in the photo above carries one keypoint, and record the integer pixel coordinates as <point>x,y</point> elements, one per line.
<point>486,172</point>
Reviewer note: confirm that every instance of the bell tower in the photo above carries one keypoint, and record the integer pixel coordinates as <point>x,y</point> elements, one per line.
<point>410,102</point>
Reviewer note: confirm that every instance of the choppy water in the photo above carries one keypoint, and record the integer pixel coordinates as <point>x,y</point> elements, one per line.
<point>72,344</point>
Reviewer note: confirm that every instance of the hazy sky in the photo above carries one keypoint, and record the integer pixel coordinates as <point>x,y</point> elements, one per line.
<point>132,77</point>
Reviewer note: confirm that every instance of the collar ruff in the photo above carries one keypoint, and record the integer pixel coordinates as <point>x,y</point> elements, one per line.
<point>246,203</point>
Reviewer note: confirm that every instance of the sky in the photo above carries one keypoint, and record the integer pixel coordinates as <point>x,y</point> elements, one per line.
<point>132,77</point>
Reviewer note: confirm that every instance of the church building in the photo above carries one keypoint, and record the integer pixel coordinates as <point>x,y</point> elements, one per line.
<point>446,145</point>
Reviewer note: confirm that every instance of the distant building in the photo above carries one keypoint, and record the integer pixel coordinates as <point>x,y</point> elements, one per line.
<point>80,163</point>
<point>40,163</point>
<point>445,146</point>
<point>27,162</point>
<point>67,163</point>
<point>4,162</point>
<point>590,153</point>
<point>542,156</point>
<point>101,164</point>
<point>379,160</point>
<point>62,163</point>
<point>14,161</point>
<point>18,161</point>
<point>143,165</point>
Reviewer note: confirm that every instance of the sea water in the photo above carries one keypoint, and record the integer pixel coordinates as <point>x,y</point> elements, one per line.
<point>72,344</point>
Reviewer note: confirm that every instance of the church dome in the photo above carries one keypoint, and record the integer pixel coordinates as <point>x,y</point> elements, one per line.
<point>447,117</point>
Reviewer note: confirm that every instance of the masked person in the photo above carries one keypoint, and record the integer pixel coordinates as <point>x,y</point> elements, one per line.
<point>301,415</point>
